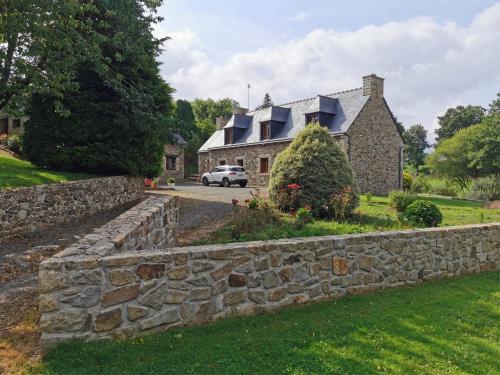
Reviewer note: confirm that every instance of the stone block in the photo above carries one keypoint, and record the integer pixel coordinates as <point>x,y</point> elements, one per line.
<point>136,312</point>
<point>276,259</point>
<point>222,271</point>
<point>314,291</point>
<point>201,266</point>
<point>340,266</point>
<point>286,274</point>
<point>108,320</point>
<point>119,295</point>
<point>295,288</point>
<point>365,262</point>
<point>200,294</point>
<point>155,297</point>
<point>314,269</point>
<point>178,273</point>
<point>239,260</point>
<point>150,271</point>
<point>121,277</point>
<point>219,287</point>
<point>204,313</point>
<point>88,297</point>
<point>301,273</point>
<point>47,303</point>
<point>236,280</point>
<point>277,294</point>
<point>161,318</point>
<point>254,281</point>
<point>270,279</point>
<point>261,263</point>
<point>236,296</point>
<point>68,320</point>
<point>53,280</point>
<point>176,296</point>
<point>257,296</point>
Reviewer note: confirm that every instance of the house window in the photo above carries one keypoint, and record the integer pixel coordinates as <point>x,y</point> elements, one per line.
<point>265,131</point>
<point>239,162</point>
<point>16,123</point>
<point>228,136</point>
<point>4,126</point>
<point>222,162</point>
<point>312,118</point>
<point>171,163</point>
<point>264,165</point>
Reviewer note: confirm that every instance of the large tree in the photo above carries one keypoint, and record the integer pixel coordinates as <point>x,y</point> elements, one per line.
<point>184,118</point>
<point>121,115</point>
<point>415,139</point>
<point>470,153</point>
<point>207,110</point>
<point>41,42</point>
<point>266,102</point>
<point>458,118</point>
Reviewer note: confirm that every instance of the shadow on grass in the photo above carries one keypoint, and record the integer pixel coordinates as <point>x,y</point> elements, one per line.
<point>450,326</point>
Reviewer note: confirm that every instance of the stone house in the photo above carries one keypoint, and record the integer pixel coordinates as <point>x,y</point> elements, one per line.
<point>11,125</point>
<point>359,119</point>
<point>173,159</point>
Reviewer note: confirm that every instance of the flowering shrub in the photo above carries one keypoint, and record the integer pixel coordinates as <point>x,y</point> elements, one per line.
<point>341,204</point>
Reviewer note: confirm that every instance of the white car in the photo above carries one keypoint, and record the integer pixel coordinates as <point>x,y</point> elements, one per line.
<point>225,175</point>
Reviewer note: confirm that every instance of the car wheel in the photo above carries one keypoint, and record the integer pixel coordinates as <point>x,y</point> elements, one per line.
<point>225,182</point>
<point>243,184</point>
<point>204,181</point>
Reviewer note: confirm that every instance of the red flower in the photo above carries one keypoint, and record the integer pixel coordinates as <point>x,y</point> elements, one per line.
<point>235,202</point>
<point>294,186</point>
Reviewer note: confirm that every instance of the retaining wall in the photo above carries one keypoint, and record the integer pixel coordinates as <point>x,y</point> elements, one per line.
<point>135,292</point>
<point>35,207</point>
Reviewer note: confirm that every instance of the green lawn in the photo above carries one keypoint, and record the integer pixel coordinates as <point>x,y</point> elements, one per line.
<point>445,327</point>
<point>369,217</point>
<point>16,173</point>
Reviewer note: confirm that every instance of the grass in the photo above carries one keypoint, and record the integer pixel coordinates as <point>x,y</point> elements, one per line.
<point>443,327</point>
<point>369,217</point>
<point>17,173</point>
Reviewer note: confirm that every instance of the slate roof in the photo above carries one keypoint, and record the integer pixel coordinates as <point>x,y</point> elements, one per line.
<point>345,106</point>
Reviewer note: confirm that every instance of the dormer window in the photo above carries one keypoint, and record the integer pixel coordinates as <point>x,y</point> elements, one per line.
<point>228,136</point>
<point>312,118</point>
<point>265,131</point>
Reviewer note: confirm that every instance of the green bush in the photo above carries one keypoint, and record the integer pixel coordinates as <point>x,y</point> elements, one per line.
<point>316,164</point>
<point>420,184</point>
<point>341,205</point>
<point>422,213</point>
<point>399,200</point>
<point>485,188</point>
<point>407,181</point>
<point>444,188</point>
<point>14,143</point>
<point>303,216</point>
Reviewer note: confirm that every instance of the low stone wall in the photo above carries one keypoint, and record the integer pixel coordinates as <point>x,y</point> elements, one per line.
<point>31,208</point>
<point>136,292</point>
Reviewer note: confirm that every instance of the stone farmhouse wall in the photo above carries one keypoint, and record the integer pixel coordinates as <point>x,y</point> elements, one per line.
<point>177,173</point>
<point>376,148</point>
<point>132,293</point>
<point>35,207</point>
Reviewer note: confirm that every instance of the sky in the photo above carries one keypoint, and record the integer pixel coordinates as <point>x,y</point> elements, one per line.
<point>433,54</point>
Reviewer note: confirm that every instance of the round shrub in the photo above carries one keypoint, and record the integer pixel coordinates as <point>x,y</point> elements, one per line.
<point>399,200</point>
<point>407,181</point>
<point>309,171</point>
<point>422,214</point>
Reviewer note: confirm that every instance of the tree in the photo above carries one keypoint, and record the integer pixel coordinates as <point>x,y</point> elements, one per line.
<point>495,105</point>
<point>184,117</point>
<point>458,118</point>
<point>207,110</point>
<point>470,153</point>
<point>41,42</point>
<point>117,125</point>
<point>315,162</point>
<point>399,125</point>
<point>266,102</point>
<point>415,140</point>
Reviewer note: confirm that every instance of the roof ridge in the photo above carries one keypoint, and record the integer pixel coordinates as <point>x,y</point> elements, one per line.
<point>314,97</point>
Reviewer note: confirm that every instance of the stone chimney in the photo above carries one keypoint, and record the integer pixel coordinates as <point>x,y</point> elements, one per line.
<point>373,85</point>
<point>240,111</point>
<point>220,122</point>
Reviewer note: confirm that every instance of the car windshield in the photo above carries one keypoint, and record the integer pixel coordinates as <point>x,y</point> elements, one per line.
<point>237,169</point>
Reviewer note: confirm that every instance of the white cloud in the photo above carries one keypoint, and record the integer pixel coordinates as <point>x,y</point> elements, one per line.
<point>301,16</point>
<point>428,65</point>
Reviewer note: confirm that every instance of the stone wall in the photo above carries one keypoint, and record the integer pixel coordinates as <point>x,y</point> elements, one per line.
<point>136,292</point>
<point>178,172</point>
<point>375,149</point>
<point>35,207</point>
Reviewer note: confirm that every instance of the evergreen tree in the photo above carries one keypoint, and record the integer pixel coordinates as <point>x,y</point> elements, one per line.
<point>117,124</point>
<point>184,117</point>
<point>266,102</point>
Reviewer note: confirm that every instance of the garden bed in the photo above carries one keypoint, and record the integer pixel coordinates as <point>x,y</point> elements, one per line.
<point>372,216</point>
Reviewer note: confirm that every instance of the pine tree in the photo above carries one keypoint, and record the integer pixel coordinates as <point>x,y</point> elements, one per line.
<point>117,124</point>
<point>266,102</point>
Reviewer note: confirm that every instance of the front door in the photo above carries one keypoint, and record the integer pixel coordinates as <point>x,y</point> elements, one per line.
<point>4,126</point>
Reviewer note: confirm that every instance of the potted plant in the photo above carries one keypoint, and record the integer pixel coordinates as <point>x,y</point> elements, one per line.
<point>171,182</point>
<point>147,182</point>
<point>154,183</point>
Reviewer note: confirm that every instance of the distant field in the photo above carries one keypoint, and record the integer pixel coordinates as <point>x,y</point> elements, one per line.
<point>17,173</point>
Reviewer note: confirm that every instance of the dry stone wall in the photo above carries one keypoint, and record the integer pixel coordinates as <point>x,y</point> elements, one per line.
<point>35,207</point>
<point>131,293</point>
